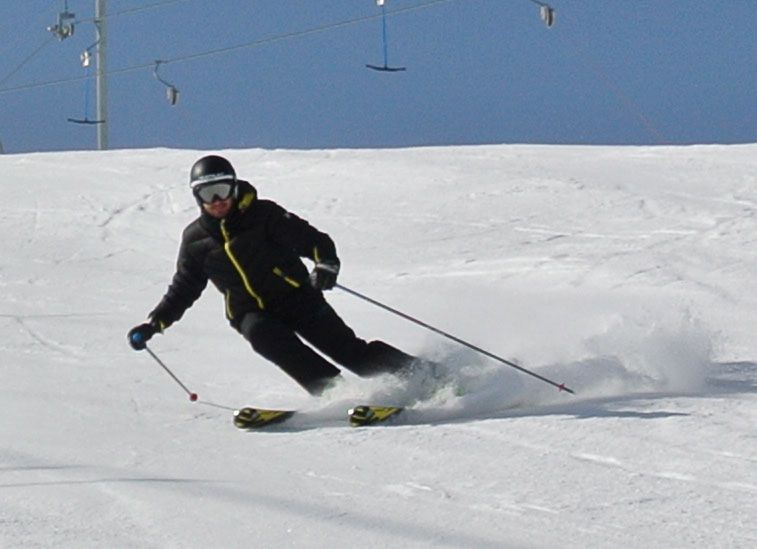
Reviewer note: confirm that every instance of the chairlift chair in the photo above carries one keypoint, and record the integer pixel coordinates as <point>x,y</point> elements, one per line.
<point>86,120</point>
<point>385,67</point>
<point>172,93</point>
<point>547,14</point>
<point>86,55</point>
<point>64,28</point>
<point>86,61</point>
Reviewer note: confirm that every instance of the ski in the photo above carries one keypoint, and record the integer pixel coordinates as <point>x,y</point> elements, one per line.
<point>251,418</point>
<point>363,415</point>
<point>257,418</point>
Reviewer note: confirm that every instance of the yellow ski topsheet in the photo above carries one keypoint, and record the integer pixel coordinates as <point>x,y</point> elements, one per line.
<point>367,415</point>
<point>258,418</point>
<point>252,418</point>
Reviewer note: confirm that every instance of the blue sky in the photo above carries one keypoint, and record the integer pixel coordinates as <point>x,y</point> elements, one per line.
<point>478,71</point>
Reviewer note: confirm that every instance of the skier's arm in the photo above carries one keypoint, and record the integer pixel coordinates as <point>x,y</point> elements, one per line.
<point>187,285</point>
<point>294,232</point>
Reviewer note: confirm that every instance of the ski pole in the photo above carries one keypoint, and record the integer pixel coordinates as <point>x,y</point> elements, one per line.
<point>560,386</point>
<point>192,396</point>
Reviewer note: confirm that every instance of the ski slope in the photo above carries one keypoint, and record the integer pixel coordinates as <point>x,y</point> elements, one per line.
<point>627,273</point>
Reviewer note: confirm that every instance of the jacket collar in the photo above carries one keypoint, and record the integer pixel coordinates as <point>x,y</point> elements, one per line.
<point>246,196</point>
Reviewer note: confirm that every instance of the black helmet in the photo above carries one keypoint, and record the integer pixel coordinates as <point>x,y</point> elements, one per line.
<point>211,169</point>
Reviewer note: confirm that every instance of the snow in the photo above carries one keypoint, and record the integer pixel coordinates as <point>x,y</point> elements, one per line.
<point>626,273</point>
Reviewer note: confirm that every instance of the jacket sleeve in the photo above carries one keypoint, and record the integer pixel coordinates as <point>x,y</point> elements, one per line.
<point>294,232</point>
<point>187,285</point>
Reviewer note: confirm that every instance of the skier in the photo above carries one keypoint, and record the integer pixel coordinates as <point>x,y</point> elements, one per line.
<point>251,250</point>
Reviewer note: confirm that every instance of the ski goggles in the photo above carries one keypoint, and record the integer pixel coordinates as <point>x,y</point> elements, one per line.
<point>210,192</point>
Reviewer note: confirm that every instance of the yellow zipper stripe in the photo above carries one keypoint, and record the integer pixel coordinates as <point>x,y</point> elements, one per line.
<point>291,281</point>
<point>237,266</point>
<point>229,314</point>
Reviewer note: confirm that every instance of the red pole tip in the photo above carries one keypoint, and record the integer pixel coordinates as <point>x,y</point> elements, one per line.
<point>193,396</point>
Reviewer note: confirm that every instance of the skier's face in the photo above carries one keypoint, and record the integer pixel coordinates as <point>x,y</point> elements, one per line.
<point>218,208</point>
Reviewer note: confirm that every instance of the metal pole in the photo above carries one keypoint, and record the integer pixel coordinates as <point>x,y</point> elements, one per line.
<point>102,87</point>
<point>560,386</point>
<point>192,396</point>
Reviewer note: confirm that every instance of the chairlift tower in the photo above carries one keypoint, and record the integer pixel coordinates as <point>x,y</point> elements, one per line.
<point>101,30</point>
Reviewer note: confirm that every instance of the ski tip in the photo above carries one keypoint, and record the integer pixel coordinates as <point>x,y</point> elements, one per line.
<point>368,415</point>
<point>255,418</point>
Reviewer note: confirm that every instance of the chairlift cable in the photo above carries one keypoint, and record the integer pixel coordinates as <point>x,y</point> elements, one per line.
<point>247,45</point>
<point>624,99</point>
<point>133,10</point>
<point>13,44</point>
<point>219,51</point>
<point>31,56</point>
<point>299,34</point>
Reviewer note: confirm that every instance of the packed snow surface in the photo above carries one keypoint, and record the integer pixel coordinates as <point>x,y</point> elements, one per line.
<point>627,273</point>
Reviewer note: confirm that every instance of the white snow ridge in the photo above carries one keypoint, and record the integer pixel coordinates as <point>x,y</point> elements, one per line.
<point>627,273</point>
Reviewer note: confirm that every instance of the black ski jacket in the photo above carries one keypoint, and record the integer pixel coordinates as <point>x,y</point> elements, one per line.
<point>252,256</point>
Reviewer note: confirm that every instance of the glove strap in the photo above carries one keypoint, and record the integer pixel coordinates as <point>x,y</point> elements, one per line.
<point>328,267</point>
<point>157,324</point>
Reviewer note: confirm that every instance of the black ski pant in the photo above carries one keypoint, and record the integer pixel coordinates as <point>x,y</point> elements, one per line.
<point>277,335</point>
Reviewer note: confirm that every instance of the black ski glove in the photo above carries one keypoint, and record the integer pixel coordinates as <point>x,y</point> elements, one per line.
<point>140,335</point>
<point>324,274</point>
